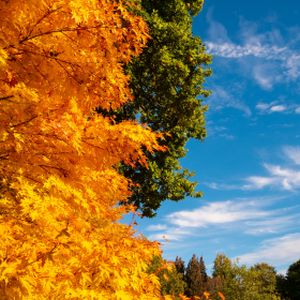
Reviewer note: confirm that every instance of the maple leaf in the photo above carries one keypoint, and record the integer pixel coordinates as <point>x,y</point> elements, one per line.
<point>60,235</point>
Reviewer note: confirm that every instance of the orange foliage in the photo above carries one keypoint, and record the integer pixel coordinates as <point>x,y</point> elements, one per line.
<point>221,296</point>
<point>60,239</point>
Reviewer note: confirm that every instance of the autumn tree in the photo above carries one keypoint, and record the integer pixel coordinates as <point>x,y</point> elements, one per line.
<point>60,236</point>
<point>167,84</point>
<point>171,281</point>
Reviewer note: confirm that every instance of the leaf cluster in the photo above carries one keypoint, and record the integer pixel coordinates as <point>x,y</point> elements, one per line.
<point>59,212</point>
<point>167,83</point>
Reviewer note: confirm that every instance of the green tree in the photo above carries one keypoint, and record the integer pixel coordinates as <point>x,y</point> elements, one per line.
<point>229,277</point>
<point>203,272</point>
<point>195,277</point>
<point>241,283</point>
<point>260,283</point>
<point>171,281</point>
<point>281,286</point>
<point>179,265</point>
<point>167,81</point>
<point>293,281</point>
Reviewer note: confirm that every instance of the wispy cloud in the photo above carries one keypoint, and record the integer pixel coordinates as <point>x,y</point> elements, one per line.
<point>157,227</point>
<point>266,55</point>
<point>284,219</point>
<point>258,182</point>
<point>253,216</point>
<point>292,153</point>
<point>284,63</point>
<point>220,131</point>
<point>216,213</point>
<point>280,250</point>
<point>231,50</point>
<point>276,107</point>
<point>170,234</point>
<point>216,31</point>
<point>278,177</point>
<point>222,98</point>
<point>293,65</point>
<point>221,186</point>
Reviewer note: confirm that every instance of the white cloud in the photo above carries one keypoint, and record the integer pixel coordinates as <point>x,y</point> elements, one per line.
<point>222,98</point>
<point>231,50</point>
<point>279,223</point>
<point>293,153</point>
<point>157,227</point>
<point>288,179</point>
<point>216,213</point>
<point>263,106</point>
<point>279,177</point>
<point>297,110</point>
<point>249,32</point>
<point>214,130</point>
<point>170,234</point>
<point>265,76</point>
<point>282,60</point>
<point>276,107</point>
<point>293,66</point>
<point>258,182</point>
<point>221,186</point>
<point>273,60</point>
<point>278,251</point>
<point>216,30</point>
<point>252,216</point>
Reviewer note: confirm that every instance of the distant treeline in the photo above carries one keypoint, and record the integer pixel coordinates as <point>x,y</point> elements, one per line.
<point>234,281</point>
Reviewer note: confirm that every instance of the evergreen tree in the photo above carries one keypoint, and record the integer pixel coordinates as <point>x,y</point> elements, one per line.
<point>196,277</point>
<point>179,264</point>
<point>203,272</point>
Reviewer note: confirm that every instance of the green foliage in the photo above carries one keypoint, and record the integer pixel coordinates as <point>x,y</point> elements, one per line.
<point>179,265</point>
<point>166,81</point>
<point>281,286</point>
<point>237,282</point>
<point>229,275</point>
<point>293,281</point>
<point>196,277</point>
<point>171,281</point>
<point>241,283</point>
<point>260,282</point>
<point>289,286</point>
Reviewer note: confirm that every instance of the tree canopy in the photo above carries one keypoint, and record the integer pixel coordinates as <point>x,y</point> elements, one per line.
<point>288,286</point>
<point>239,282</point>
<point>60,236</point>
<point>196,277</point>
<point>167,84</point>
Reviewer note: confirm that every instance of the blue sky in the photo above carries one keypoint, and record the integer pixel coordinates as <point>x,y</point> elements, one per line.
<point>249,166</point>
